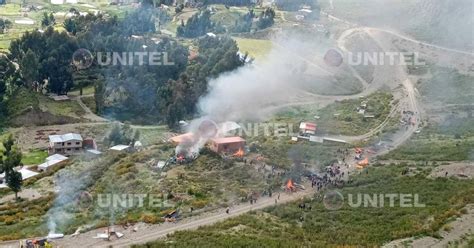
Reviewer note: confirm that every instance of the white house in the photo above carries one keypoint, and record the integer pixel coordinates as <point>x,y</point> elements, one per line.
<point>51,161</point>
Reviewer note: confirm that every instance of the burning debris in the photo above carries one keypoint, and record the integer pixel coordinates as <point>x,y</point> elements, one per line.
<point>202,133</point>
<point>239,154</point>
<point>290,186</point>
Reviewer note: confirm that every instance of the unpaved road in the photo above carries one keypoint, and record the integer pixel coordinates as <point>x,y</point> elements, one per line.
<point>152,232</point>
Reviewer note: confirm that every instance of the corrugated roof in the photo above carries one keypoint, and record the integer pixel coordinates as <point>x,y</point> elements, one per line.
<point>182,137</point>
<point>119,147</point>
<point>224,140</point>
<point>56,157</point>
<point>65,137</point>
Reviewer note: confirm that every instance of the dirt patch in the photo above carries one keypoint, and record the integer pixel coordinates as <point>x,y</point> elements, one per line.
<point>28,194</point>
<point>462,170</point>
<point>34,117</point>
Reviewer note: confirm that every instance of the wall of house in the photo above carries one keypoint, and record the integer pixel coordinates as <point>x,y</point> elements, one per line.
<point>227,147</point>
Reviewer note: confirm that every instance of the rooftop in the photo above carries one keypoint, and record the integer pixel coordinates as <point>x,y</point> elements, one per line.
<point>65,137</point>
<point>224,140</point>
<point>119,147</point>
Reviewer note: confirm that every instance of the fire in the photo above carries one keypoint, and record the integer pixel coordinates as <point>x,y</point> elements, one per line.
<point>239,153</point>
<point>290,185</point>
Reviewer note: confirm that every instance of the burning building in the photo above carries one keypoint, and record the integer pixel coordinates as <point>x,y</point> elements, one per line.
<point>227,144</point>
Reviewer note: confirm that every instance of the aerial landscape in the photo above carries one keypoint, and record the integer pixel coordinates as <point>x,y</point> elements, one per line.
<point>237,123</point>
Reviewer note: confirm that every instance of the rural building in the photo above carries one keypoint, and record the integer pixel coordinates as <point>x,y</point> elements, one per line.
<point>120,148</point>
<point>183,137</point>
<point>25,174</point>
<point>307,128</point>
<point>227,144</point>
<point>52,161</point>
<point>66,144</point>
<point>93,153</point>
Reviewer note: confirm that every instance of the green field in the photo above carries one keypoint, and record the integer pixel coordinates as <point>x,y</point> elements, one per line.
<point>449,141</point>
<point>256,48</point>
<point>342,117</point>
<point>34,157</point>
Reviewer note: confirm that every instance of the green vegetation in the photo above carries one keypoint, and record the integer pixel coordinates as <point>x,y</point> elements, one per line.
<point>253,47</point>
<point>280,226</point>
<point>34,157</point>
<point>342,117</point>
<point>447,86</point>
<point>452,140</point>
<point>10,159</point>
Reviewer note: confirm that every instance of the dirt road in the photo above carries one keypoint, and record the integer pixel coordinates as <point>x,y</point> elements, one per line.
<point>152,232</point>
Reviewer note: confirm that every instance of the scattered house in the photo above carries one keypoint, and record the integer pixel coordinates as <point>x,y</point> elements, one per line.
<point>317,139</point>
<point>25,21</point>
<point>180,138</point>
<point>25,174</point>
<point>57,1</point>
<point>52,161</point>
<point>89,144</point>
<point>211,35</point>
<point>120,148</point>
<point>361,111</point>
<point>227,144</point>
<point>92,153</point>
<point>66,144</point>
<point>138,145</point>
<point>307,128</point>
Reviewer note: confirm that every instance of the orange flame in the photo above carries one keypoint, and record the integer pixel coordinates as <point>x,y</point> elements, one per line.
<point>290,185</point>
<point>239,153</point>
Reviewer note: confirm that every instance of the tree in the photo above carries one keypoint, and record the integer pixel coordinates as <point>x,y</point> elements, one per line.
<point>11,158</point>
<point>29,68</point>
<point>4,25</point>
<point>14,182</point>
<point>70,26</point>
<point>266,18</point>
<point>8,145</point>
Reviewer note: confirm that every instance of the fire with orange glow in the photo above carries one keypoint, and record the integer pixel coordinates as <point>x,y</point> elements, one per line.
<point>290,185</point>
<point>239,153</point>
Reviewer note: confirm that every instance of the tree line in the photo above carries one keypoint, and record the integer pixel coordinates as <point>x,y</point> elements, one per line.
<point>138,93</point>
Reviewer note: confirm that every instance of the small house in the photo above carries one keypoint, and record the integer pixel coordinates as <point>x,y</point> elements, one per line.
<point>227,144</point>
<point>51,161</point>
<point>307,128</point>
<point>120,148</point>
<point>66,144</point>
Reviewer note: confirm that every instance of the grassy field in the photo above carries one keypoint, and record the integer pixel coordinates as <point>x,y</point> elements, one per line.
<point>34,157</point>
<point>342,117</point>
<point>257,49</point>
<point>281,226</point>
<point>447,86</point>
<point>448,141</point>
<point>12,11</point>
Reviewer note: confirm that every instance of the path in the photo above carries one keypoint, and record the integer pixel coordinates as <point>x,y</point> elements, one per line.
<point>153,232</point>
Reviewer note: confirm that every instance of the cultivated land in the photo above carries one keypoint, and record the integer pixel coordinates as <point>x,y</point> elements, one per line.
<point>431,155</point>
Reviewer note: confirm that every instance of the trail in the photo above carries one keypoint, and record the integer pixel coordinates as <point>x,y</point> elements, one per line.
<point>153,232</point>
